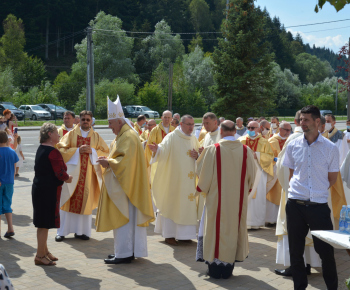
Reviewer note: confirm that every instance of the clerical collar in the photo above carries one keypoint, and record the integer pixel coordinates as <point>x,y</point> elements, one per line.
<point>215,130</point>
<point>253,138</point>
<point>230,138</point>
<point>167,129</point>
<point>84,133</point>
<point>283,138</point>
<point>240,128</point>
<point>70,129</point>
<point>330,131</point>
<point>183,132</point>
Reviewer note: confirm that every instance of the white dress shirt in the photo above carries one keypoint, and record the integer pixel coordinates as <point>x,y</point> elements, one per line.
<point>311,165</point>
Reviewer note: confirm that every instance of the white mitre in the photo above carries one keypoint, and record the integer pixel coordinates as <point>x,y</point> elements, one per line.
<point>115,111</point>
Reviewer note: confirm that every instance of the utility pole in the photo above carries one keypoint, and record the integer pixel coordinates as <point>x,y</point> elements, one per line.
<point>90,92</point>
<point>336,100</point>
<point>170,90</point>
<point>227,9</point>
<point>348,88</point>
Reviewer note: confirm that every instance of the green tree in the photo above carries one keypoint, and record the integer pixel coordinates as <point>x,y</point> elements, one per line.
<point>12,42</point>
<point>337,4</point>
<point>111,89</point>
<point>200,15</point>
<point>7,88</point>
<point>243,67</point>
<point>311,69</point>
<point>153,96</point>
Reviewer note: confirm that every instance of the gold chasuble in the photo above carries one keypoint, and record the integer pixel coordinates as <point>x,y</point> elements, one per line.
<point>271,132</point>
<point>202,134</point>
<point>261,145</point>
<point>226,176</point>
<point>62,130</point>
<point>209,139</point>
<point>83,198</point>
<point>144,136</point>
<point>156,136</point>
<point>174,183</point>
<point>125,179</point>
<point>138,129</point>
<point>274,195</point>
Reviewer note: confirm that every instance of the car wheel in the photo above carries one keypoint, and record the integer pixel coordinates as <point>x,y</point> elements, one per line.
<point>34,117</point>
<point>146,116</point>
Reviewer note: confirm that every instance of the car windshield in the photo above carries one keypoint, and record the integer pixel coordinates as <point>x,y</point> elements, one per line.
<point>10,107</point>
<point>37,108</point>
<point>61,108</point>
<point>146,108</point>
<point>129,109</point>
<point>51,106</point>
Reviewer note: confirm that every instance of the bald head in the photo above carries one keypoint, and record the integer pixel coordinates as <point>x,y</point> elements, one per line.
<point>228,128</point>
<point>253,126</point>
<point>151,124</point>
<point>285,129</point>
<point>166,118</point>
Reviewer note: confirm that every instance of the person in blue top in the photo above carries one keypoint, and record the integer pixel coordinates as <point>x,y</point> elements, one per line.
<point>8,159</point>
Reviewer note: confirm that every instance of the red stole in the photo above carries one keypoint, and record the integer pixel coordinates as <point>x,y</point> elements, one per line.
<point>252,144</point>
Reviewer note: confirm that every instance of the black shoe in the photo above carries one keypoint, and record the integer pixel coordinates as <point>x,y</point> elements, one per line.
<point>82,237</point>
<point>59,238</point>
<point>308,269</point>
<point>285,272</point>
<point>112,256</point>
<point>118,261</point>
<point>9,235</point>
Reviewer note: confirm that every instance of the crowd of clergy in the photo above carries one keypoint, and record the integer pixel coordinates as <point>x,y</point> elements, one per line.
<point>212,184</point>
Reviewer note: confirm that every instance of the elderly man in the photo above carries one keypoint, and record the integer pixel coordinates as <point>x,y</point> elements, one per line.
<point>226,173</point>
<point>274,188</point>
<point>68,123</point>
<point>177,116</point>
<point>77,120</point>
<point>174,183</point>
<point>264,129</point>
<point>337,137</point>
<point>240,129</point>
<point>125,202</point>
<point>274,126</point>
<point>175,122</point>
<point>140,123</point>
<point>263,156</point>
<point>80,149</point>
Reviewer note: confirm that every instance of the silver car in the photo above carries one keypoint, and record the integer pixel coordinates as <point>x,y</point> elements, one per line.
<point>35,112</point>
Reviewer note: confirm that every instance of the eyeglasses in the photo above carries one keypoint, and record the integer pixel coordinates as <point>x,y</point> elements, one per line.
<point>191,125</point>
<point>251,128</point>
<point>88,120</point>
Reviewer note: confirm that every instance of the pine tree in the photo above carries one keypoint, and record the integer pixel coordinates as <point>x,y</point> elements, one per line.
<point>243,65</point>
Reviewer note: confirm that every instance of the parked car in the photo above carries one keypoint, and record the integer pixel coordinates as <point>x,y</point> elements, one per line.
<point>147,112</point>
<point>129,112</point>
<point>35,112</point>
<point>325,112</point>
<point>7,105</point>
<point>53,110</point>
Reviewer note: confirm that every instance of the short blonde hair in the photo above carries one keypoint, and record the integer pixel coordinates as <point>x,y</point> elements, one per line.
<point>45,129</point>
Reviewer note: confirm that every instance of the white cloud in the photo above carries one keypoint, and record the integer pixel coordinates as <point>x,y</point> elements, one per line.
<point>332,42</point>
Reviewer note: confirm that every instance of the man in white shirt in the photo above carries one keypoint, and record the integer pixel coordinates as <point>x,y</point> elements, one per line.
<point>313,162</point>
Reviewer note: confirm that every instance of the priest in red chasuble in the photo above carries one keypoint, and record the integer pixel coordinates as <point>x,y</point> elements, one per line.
<point>68,123</point>
<point>80,149</point>
<point>226,173</point>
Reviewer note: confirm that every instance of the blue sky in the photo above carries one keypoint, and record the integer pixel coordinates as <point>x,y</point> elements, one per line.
<point>298,12</point>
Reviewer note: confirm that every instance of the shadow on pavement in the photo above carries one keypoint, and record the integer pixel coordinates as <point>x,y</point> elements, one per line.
<point>24,179</point>
<point>156,276</point>
<point>21,220</point>
<point>11,252</point>
<point>70,278</point>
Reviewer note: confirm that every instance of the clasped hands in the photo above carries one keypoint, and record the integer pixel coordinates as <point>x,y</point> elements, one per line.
<point>83,149</point>
<point>103,160</point>
<point>154,147</point>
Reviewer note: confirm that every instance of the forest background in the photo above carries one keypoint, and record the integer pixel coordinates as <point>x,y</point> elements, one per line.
<point>248,64</point>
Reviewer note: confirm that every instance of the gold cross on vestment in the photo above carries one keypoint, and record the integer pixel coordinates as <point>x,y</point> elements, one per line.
<point>189,153</point>
<point>191,197</point>
<point>191,175</point>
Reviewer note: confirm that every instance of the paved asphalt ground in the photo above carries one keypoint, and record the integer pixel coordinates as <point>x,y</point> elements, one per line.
<point>81,265</point>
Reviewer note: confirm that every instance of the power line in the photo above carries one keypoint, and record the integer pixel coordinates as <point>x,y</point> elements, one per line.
<point>327,29</point>
<point>318,23</point>
<point>161,32</point>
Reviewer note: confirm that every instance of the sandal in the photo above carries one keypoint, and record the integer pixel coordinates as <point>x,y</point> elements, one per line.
<point>51,257</point>
<point>41,263</point>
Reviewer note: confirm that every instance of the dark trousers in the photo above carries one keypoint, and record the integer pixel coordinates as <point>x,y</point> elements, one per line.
<point>301,218</point>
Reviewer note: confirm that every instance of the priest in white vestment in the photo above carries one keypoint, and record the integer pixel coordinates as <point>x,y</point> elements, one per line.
<point>125,204</point>
<point>226,173</point>
<point>80,149</point>
<point>210,123</point>
<point>337,137</point>
<point>174,183</point>
<point>263,156</point>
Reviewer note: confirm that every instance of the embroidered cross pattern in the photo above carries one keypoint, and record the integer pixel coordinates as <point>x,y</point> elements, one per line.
<point>191,175</point>
<point>189,153</point>
<point>191,197</point>
<point>121,114</point>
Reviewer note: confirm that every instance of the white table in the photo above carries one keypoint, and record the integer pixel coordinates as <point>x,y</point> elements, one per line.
<point>335,238</point>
